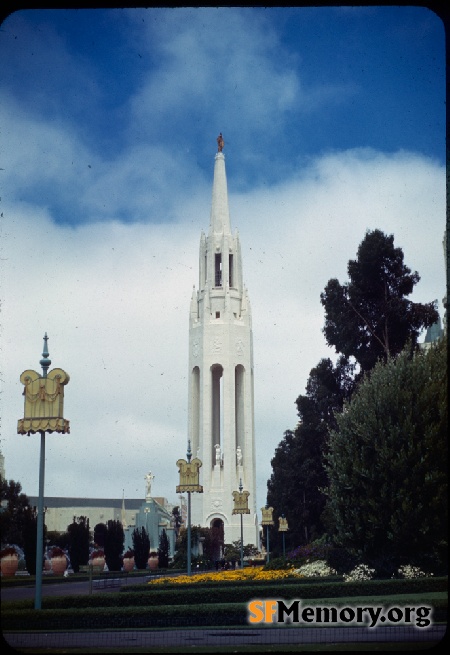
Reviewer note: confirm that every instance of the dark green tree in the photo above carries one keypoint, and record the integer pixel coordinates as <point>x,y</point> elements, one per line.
<point>232,551</point>
<point>209,537</point>
<point>15,512</point>
<point>163,550</point>
<point>79,537</point>
<point>370,318</point>
<point>295,486</point>
<point>387,463</point>
<point>114,542</point>
<point>141,547</point>
<point>99,534</point>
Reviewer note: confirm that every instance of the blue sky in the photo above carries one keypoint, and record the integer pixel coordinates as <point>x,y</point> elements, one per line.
<point>334,123</point>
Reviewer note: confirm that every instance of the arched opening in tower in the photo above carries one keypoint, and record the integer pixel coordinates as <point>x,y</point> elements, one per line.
<point>217,414</point>
<point>218,269</point>
<point>239,405</point>
<point>195,404</point>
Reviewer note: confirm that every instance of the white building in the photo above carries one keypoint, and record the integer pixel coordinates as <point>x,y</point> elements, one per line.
<point>221,407</point>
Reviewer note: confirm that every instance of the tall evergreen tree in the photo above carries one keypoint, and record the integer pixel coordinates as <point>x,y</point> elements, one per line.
<point>370,318</point>
<point>99,534</point>
<point>387,462</point>
<point>114,542</point>
<point>163,551</point>
<point>294,488</point>
<point>79,537</point>
<point>141,547</point>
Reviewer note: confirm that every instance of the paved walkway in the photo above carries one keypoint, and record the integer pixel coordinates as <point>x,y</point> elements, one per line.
<point>222,637</point>
<point>72,588</point>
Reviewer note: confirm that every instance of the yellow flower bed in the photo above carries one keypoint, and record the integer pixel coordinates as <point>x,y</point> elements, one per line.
<point>228,576</point>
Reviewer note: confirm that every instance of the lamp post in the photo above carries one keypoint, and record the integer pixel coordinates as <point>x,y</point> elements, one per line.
<point>146,513</point>
<point>43,412</point>
<point>241,507</point>
<point>267,521</point>
<point>283,527</point>
<point>189,482</point>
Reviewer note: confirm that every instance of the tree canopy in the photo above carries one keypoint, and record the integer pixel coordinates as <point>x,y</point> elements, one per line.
<point>367,320</point>
<point>15,512</point>
<point>294,487</point>
<point>369,317</point>
<point>387,461</point>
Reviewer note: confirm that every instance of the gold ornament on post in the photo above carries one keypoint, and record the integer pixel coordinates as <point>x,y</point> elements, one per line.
<point>43,412</point>
<point>267,521</point>
<point>189,475</point>
<point>267,515</point>
<point>240,499</point>
<point>189,482</point>
<point>44,402</point>
<point>283,527</point>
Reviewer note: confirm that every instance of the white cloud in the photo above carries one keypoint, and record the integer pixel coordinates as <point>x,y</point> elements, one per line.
<point>114,300</point>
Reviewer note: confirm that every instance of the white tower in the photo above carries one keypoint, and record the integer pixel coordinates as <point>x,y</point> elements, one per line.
<point>221,408</point>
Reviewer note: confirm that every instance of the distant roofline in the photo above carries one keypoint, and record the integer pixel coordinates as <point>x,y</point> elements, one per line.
<point>60,501</point>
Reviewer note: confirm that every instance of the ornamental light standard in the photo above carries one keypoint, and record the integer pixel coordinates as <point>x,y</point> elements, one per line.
<point>43,412</point>
<point>241,507</point>
<point>283,527</point>
<point>189,481</point>
<point>267,521</point>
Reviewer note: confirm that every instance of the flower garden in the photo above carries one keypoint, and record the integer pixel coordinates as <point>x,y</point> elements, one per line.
<point>313,569</point>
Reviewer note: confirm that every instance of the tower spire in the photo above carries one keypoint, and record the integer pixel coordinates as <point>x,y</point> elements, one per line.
<point>221,415</point>
<point>220,215</point>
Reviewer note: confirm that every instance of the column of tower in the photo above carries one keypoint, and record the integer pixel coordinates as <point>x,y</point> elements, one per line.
<point>221,408</point>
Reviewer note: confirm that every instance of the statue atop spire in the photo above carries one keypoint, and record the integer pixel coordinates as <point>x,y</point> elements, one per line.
<point>220,143</point>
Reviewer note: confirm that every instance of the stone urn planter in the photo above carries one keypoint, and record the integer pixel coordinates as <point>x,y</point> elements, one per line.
<point>9,562</point>
<point>58,560</point>
<point>128,564</point>
<point>153,561</point>
<point>59,564</point>
<point>98,559</point>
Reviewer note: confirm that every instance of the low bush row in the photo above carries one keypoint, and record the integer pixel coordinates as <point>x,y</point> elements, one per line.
<point>205,614</point>
<point>156,596</point>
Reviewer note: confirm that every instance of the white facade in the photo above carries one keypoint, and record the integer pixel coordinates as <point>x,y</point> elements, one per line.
<point>221,408</point>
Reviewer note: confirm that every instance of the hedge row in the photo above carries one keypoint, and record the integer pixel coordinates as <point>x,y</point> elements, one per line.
<point>231,614</point>
<point>307,587</point>
<point>191,595</point>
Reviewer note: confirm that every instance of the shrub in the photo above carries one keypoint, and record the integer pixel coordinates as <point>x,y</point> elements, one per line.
<point>309,552</point>
<point>408,571</point>
<point>360,573</point>
<point>318,568</point>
